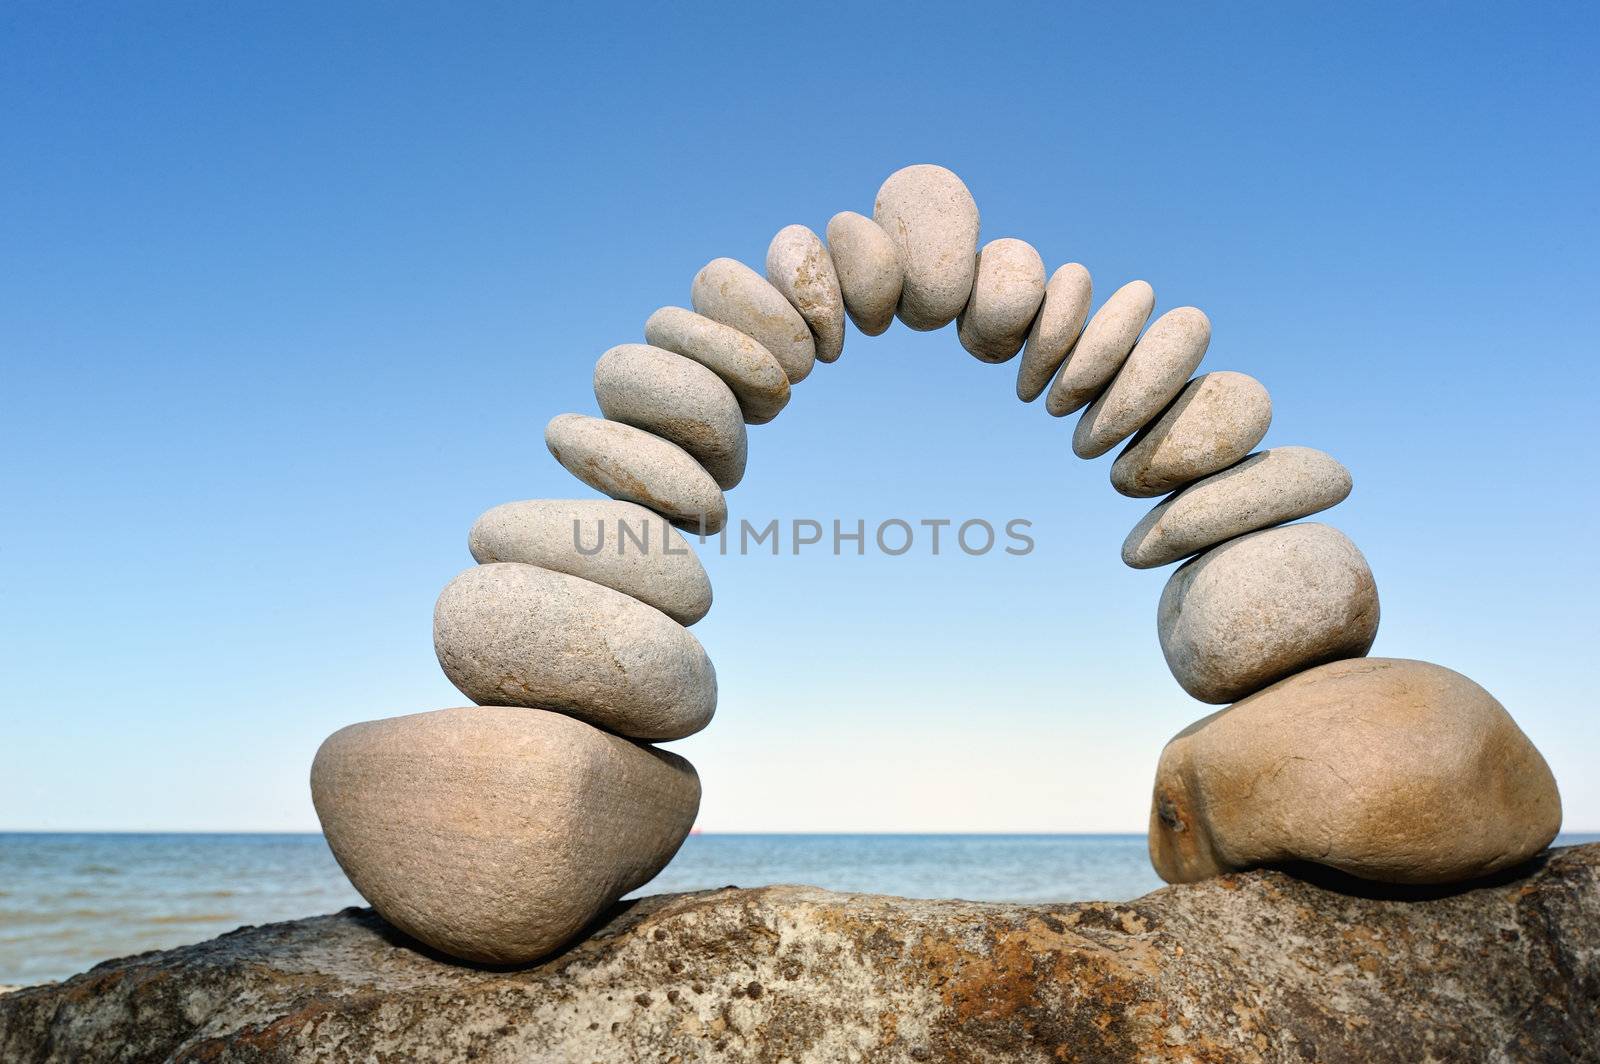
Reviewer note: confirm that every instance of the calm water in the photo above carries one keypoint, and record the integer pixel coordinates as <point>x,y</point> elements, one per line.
<point>70,901</point>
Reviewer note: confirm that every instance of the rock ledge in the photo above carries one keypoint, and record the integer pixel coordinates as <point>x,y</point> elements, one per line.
<point>1261,966</point>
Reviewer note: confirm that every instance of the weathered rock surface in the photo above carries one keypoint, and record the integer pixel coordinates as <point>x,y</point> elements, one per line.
<point>1264,606</point>
<point>749,369</point>
<point>1151,378</point>
<point>496,833</point>
<point>678,399</point>
<point>509,634</point>
<point>619,544</point>
<point>801,268</point>
<point>1268,488</point>
<point>1006,293</point>
<point>1102,349</point>
<point>1388,769</point>
<point>728,291</point>
<point>1250,968</point>
<point>1055,329</point>
<point>932,220</point>
<point>638,466</point>
<point>1215,421</point>
<point>870,275</point>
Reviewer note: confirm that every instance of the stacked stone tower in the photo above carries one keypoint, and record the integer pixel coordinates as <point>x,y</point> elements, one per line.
<point>496,832</point>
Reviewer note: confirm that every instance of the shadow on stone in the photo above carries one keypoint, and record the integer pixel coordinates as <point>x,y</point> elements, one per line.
<point>1353,886</point>
<point>399,939</point>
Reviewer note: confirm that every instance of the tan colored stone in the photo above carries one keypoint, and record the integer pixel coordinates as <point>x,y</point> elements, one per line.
<point>728,291</point>
<point>1006,293</point>
<point>496,834</point>
<point>1391,770</point>
<point>1102,348</point>
<point>1055,329</point>
<point>1267,488</point>
<point>623,546</point>
<point>933,221</point>
<point>1214,422</point>
<point>870,275</point>
<point>636,466</point>
<point>801,268</point>
<point>1264,606</point>
<point>510,634</point>
<point>1151,378</point>
<point>747,368</point>
<point>677,399</point>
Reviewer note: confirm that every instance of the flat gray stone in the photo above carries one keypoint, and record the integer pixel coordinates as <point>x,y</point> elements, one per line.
<point>677,399</point>
<point>1246,968</point>
<point>1215,421</point>
<point>496,834</point>
<point>1056,328</point>
<point>801,268</point>
<point>747,368</point>
<point>1264,606</point>
<point>637,466</point>
<point>1006,293</point>
<point>1267,488</point>
<point>1152,377</point>
<point>619,544</point>
<point>1389,770</point>
<point>509,634</point>
<point>728,291</point>
<point>1102,348</point>
<point>870,275</point>
<point>933,221</point>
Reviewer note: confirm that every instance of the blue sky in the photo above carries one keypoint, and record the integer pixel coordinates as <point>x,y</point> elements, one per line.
<point>290,290</point>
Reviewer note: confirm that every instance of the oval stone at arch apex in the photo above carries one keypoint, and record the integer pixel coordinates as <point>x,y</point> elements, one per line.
<point>932,219</point>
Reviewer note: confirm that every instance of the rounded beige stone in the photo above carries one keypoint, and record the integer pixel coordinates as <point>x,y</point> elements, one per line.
<point>677,399</point>
<point>728,291</point>
<point>801,268</point>
<point>932,220</point>
<point>509,634</point>
<point>1151,378</point>
<point>1264,606</point>
<point>870,276</point>
<point>618,544</point>
<point>637,466</point>
<point>1268,488</point>
<point>1102,348</point>
<point>1214,422</point>
<point>1055,329</point>
<point>496,834</point>
<point>1390,770</point>
<point>747,368</point>
<point>1006,292</point>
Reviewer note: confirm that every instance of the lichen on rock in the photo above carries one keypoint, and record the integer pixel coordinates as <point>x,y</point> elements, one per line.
<point>1258,966</point>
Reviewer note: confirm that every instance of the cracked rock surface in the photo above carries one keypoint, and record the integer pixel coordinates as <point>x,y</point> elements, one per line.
<point>1259,966</point>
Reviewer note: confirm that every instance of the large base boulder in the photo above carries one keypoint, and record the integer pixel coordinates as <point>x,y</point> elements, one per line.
<point>1258,966</point>
<point>1385,768</point>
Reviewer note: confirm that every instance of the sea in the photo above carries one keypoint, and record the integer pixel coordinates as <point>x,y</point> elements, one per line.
<point>68,902</point>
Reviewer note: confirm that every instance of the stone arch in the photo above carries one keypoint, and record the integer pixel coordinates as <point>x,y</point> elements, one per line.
<point>496,832</point>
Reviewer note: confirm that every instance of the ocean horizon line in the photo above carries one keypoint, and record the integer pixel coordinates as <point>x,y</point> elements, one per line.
<point>818,833</point>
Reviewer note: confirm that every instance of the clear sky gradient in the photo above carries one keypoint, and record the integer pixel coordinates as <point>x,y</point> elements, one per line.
<point>288,292</point>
